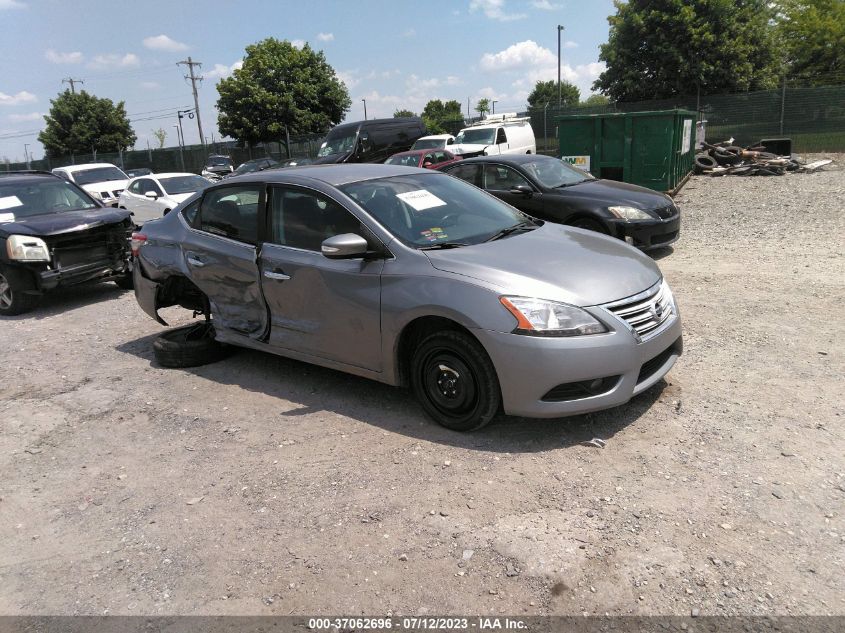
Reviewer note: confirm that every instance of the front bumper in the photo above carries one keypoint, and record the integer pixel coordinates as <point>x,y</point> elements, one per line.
<point>651,234</point>
<point>82,273</point>
<point>530,367</point>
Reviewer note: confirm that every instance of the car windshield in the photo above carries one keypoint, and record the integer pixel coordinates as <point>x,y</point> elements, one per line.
<point>22,200</point>
<point>408,160</point>
<point>429,143</point>
<point>339,142</point>
<point>183,184</point>
<point>554,173</point>
<point>427,210</point>
<point>482,136</point>
<point>218,161</point>
<point>97,174</point>
<point>248,167</point>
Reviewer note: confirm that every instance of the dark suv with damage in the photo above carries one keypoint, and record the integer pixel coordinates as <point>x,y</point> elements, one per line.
<point>53,234</point>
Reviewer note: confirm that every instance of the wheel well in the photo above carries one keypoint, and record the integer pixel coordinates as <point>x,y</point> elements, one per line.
<point>181,291</point>
<point>592,218</point>
<point>414,333</point>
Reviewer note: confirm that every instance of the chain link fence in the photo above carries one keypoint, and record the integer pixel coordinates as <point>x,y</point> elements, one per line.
<point>813,117</point>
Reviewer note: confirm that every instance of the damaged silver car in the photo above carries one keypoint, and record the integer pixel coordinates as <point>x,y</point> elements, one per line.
<point>411,277</point>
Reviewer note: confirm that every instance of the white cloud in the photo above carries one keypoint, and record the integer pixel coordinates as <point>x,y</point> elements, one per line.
<point>570,44</point>
<point>150,85</point>
<point>164,43</point>
<point>298,43</point>
<point>11,4</point>
<point>113,60</point>
<point>545,5</point>
<point>525,54</point>
<point>221,70</point>
<point>63,58</point>
<point>32,116</point>
<point>495,10</point>
<point>451,80</point>
<point>349,77</point>
<point>409,33</point>
<point>22,97</point>
<point>325,37</point>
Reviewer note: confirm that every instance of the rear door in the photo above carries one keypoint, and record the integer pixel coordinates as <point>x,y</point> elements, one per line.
<point>319,306</point>
<point>220,255</point>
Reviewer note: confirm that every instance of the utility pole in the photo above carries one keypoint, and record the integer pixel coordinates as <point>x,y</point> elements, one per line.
<point>26,154</point>
<point>365,108</point>
<point>72,82</point>
<point>194,79</point>
<point>179,138</point>
<point>559,29</point>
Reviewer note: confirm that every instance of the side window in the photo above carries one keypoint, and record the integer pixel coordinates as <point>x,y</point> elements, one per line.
<point>470,173</point>
<point>231,212</point>
<point>440,157</point>
<point>153,186</point>
<point>190,213</point>
<point>501,178</point>
<point>303,219</point>
<point>144,186</point>
<point>135,187</point>
<point>429,158</point>
<point>501,137</point>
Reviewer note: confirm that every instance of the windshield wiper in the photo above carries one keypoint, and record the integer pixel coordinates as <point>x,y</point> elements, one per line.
<point>528,225</point>
<point>443,245</point>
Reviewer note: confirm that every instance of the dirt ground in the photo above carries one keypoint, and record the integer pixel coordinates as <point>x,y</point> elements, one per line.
<point>260,485</point>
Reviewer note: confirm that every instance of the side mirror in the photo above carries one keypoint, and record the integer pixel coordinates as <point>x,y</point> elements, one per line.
<point>523,189</point>
<point>450,141</point>
<point>152,195</point>
<point>344,246</point>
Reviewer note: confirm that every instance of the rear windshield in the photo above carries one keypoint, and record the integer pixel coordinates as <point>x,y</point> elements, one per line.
<point>183,184</point>
<point>430,143</point>
<point>97,174</point>
<point>218,161</point>
<point>409,160</point>
<point>22,200</point>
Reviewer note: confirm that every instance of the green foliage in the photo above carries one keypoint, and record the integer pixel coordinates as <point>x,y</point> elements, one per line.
<point>596,100</point>
<point>160,135</point>
<point>482,106</point>
<point>546,92</point>
<point>80,122</point>
<point>280,86</point>
<point>662,48</point>
<point>436,114</point>
<point>401,113</point>
<point>812,33</point>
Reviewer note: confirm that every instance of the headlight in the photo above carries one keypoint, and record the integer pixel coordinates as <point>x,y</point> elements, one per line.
<point>23,248</point>
<point>630,213</point>
<point>538,317</point>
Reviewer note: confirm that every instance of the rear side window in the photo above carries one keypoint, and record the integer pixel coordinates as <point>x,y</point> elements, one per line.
<point>231,212</point>
<point>470,173</point>
<point>190,213</point>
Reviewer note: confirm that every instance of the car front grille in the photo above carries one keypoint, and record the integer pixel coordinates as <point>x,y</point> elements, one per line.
<point>80,247</point>
<point>645,312</point>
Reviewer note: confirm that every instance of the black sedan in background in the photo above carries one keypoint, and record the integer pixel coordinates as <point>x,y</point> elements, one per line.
<point>550,189</point>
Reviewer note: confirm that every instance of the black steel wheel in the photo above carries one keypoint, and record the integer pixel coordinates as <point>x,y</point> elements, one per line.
<point>12,300</point>
<point>455,381</point>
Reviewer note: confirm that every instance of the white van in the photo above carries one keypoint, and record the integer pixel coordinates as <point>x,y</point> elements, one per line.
<point>497,134</point>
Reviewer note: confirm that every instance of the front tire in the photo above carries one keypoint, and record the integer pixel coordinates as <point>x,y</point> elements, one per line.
<point>455,381</point>
<point>12,300</point>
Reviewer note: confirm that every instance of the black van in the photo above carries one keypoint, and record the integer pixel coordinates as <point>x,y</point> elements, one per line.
<point>370,141</point>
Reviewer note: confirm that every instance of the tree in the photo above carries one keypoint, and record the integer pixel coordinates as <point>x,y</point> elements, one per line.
<point>596,100</point>
<point>546,92</point>
<point>658,49</point>
<point>280,88</point>
<point>812,33</point>
<point>160,135</point>
<point>401,113</point>
<point>482,106</point>
<point>437,115</point>
<point>82,123</point>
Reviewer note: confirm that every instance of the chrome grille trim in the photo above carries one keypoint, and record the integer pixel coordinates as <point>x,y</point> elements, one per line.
<point>640,312</point>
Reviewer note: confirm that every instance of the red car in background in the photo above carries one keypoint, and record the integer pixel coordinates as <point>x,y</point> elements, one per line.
<point>428,158</point>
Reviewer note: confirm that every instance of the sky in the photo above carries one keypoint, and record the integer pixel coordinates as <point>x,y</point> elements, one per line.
<point>394,54</point>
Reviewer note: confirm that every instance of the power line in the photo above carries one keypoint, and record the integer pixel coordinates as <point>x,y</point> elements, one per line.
<point>190,64</point>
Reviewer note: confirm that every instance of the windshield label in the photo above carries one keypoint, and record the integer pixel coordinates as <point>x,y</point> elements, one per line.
<point>7,217</point>
<point>581,162</point>
<point>421,199</point>
<point>8,202</point>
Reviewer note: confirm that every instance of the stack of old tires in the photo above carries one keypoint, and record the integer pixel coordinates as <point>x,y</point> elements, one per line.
<point>726,159</point>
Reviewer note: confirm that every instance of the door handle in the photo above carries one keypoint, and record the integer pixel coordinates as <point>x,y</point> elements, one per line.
<point>280,276</point>
<point>193,261</point>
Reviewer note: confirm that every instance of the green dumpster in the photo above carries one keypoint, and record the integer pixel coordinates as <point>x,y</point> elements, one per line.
<point>652,149</point>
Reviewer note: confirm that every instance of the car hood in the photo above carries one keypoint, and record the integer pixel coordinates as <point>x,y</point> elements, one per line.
<point>106,185</point>
<point>460,149</point>
<point>64,222</point>
<point>613,193</point>
<point>219,169</point>
<point>554,262</point>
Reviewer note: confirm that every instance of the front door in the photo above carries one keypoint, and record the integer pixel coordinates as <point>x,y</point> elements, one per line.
<point>319,306</point>
<point>220,256</point>
<point>501,179</point>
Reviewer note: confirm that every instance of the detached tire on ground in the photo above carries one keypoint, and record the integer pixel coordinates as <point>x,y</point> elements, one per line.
<point>704,162</point>
<point>455,381</point>
<point>189,346</point>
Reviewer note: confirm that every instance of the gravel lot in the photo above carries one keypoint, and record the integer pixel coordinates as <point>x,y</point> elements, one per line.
<point>260,485</point>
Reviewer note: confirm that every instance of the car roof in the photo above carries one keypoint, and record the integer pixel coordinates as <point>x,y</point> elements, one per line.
<point>25,177</point>
<point>170,174</point>
<point>515,159</point>
<point>74,168</point>
<point>334,175</point>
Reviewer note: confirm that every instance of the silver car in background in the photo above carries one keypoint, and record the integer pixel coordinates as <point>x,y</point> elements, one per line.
<point>412,277</point>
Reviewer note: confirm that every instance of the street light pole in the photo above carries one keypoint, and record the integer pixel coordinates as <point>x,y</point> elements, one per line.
<point>493,107</point>
<point>179,138</point>
<point>365,108</point>
<point>559,29</point>
<point>26,155</point>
